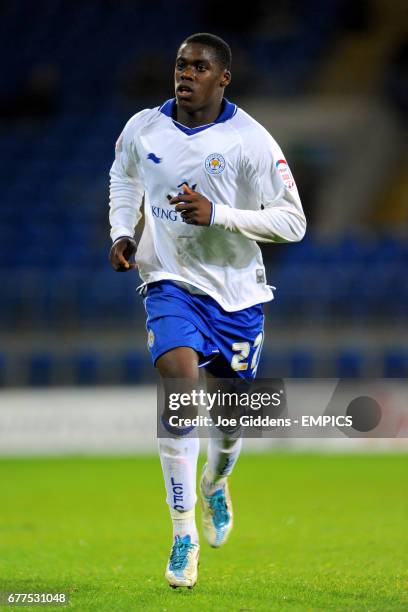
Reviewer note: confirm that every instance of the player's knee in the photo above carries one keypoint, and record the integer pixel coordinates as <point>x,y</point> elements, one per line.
<point>176,431</point>
<point>228,444</point>
<point>178,447</point>
<point>181,362</point>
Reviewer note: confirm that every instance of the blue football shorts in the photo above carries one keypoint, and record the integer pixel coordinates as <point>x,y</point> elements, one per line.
<point>229,344</point>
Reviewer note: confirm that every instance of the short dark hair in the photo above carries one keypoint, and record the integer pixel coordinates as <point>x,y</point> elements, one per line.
<point>221,48</point>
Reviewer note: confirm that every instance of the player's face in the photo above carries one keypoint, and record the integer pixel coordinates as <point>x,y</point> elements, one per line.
<point>199,78</point>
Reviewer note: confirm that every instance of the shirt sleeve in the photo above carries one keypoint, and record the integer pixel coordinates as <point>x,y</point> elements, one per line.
<point>126,187</point>
<point>281,217</point>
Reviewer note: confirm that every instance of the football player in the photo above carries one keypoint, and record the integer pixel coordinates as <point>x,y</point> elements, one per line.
<point>214,183</point>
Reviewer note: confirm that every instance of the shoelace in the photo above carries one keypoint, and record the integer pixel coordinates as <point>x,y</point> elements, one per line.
<point>179,552</point>
<point>218,505</point>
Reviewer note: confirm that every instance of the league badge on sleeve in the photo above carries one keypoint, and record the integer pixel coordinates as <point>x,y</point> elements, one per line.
<point>215,163</point>
<point>285,174</point>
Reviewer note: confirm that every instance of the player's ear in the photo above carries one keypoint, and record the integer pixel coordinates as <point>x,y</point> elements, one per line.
<point>226,78</point>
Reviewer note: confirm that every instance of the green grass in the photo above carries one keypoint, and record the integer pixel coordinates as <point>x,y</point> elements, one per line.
<point>312,532</point>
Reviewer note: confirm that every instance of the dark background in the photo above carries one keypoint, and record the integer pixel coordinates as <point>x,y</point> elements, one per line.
<point>328,78</point>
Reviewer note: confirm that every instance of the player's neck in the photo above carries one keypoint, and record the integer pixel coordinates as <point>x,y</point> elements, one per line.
<point>203,116</point>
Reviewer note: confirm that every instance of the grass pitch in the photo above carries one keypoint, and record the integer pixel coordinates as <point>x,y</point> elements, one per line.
<point>312,532</point>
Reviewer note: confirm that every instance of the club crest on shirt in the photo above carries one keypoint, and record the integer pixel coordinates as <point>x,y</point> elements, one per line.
<point>150,338</point>
<point>215,163</point>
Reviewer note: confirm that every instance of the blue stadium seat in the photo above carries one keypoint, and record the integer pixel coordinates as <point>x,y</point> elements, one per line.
<point>349,364</point>
<point>133,365</point>
<point>39,369</point>
<point>301,364</point>
<point>86,366</point>
<point>396,364</point>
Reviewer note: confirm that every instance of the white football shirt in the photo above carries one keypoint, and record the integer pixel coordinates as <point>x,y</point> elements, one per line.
<point>237,165</point>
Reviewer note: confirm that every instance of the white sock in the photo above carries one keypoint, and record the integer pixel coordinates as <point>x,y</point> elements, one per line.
<point>222,456</point>
<point>178,458</point>
<point>184,524</point>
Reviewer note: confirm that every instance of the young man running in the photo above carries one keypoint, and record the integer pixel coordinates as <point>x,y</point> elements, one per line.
<point>214,184</point>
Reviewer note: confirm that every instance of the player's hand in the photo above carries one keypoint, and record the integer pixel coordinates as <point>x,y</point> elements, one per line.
<point>121,251</point>
<point>194,207</point>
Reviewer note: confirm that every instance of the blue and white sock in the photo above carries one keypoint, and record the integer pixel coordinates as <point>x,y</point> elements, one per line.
<point>178,458</point>
<point>223,454</point>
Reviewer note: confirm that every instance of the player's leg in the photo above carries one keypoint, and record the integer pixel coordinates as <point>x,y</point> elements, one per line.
<point>223,452</point>
<point>180,362</point>
<point>178,456</point>
<point>239,337</point>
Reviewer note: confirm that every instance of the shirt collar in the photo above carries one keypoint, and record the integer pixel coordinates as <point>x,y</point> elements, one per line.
<point>228,110</point>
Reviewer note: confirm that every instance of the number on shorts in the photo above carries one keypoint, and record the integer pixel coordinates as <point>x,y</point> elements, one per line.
<point>237,362</point>
<point>257,353</point>
<point>241,350</point>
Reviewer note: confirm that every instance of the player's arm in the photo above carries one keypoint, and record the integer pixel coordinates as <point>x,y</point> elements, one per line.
<point>281,220</point>
<point>281,217</point>
<point>125,200</point>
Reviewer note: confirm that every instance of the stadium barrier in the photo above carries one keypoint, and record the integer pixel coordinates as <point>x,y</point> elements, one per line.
<point>122,420</point>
